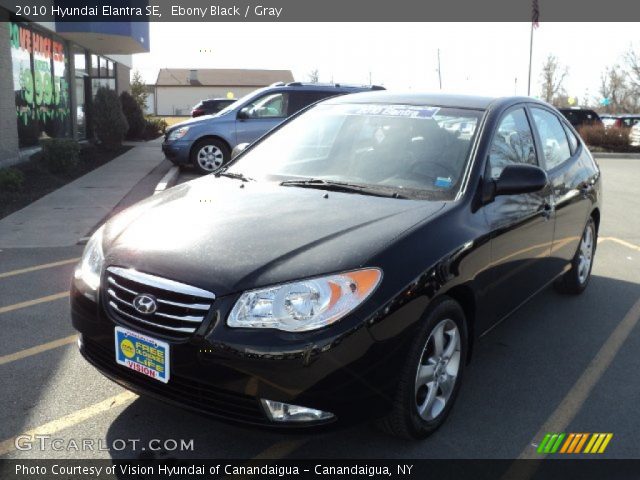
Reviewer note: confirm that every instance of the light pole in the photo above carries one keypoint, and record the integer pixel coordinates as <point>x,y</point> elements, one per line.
<point>530,57</point>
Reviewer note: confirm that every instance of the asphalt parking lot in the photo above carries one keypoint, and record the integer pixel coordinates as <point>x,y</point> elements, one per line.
<point>560,364</point>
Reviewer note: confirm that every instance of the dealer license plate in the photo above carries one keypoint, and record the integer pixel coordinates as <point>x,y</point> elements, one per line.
<point>143,354</point>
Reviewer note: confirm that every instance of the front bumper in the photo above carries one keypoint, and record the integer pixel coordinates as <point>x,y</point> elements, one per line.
<point>177,151</point>
<point>351,376</point>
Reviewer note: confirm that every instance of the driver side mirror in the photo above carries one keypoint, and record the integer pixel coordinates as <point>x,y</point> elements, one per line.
<point>244,113</point>
<point>238,149</point>
<point>515,180</point>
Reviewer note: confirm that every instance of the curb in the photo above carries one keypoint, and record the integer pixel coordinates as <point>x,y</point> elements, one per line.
<point>635,156</point>
<point>168,180</point>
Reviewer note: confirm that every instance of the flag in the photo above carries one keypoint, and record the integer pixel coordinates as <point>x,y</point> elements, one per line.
<point>535,14</point>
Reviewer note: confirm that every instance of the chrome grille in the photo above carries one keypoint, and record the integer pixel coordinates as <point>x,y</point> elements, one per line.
<point>181,308</point>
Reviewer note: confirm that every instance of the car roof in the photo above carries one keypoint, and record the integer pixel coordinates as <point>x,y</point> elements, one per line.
<point>431,99</point>
<point>329,87</point>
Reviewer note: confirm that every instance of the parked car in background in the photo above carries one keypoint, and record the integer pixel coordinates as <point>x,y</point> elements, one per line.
<point>634,135</point>
<point>581,116</point>
<point>211,106</point>
<point>207,142</point>
<point>626,120</point>
<point>608,120</point>
<point>375,238</point>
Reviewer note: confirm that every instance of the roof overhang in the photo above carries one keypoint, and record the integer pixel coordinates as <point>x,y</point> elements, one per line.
<point>107,37</point>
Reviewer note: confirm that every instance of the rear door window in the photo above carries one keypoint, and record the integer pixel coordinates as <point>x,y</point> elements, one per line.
<point>300,100</point>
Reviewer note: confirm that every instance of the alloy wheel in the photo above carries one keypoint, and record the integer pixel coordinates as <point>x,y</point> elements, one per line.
<point>438,370</point>
<point>210,158</point>
<point>585,255</point>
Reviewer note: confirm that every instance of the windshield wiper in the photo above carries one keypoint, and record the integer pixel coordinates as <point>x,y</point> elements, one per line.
<point>331,185</point>
<point>237,176</point>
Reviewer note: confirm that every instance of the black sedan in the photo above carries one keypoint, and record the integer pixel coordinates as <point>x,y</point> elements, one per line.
<point>211,106</point>
<point>342,266</point>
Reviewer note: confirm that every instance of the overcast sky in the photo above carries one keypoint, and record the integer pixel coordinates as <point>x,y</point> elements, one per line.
<point>479,58</point>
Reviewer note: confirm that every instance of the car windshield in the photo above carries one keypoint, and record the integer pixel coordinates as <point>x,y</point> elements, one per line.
<point>415,151</point>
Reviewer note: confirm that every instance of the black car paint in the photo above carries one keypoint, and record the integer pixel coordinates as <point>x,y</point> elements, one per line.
<point>425,249</point>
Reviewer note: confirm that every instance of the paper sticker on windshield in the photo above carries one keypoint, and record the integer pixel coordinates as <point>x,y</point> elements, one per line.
<point>443,182</point>
<point>405,111</point>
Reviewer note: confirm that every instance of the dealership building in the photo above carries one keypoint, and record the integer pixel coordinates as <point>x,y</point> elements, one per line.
<point>50,72</point>
<point>177,90</point>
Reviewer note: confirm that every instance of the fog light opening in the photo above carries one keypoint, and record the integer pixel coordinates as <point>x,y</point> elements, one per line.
<point>284,412</point>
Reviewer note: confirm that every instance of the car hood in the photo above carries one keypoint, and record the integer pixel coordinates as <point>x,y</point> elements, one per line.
<point>227,236</point>
<point>195,121</point>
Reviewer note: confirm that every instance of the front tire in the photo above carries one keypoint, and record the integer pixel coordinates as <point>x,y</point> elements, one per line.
<point>577,278</point>
<point>431,377</point>
<point>209,155</point>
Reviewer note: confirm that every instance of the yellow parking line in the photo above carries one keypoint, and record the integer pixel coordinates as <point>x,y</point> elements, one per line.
<point>28,352</point>
<point>621,242</point>
<point>35,301</point>
<point>575,398</point>
<point>70,420</point>
<point>38,267</point>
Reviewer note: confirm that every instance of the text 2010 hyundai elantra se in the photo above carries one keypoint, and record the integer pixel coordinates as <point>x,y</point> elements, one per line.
<point>342,266</point>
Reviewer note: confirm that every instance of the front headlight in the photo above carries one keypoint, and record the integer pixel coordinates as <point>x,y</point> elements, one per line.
<point>178,133</point>
<point>92,260</point>
<point>306,304</point>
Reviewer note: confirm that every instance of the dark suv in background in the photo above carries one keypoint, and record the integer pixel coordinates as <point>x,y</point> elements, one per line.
<point>581,116</point>
<point>211,106</point>
<point>207,142</point>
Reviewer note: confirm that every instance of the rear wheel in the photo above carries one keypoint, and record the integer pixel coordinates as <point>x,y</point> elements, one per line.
<point>577,278</point>
<point>431,378</point>
<point>209,155</point>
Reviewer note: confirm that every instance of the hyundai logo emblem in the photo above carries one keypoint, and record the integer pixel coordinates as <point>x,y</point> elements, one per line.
<point>145,304</point>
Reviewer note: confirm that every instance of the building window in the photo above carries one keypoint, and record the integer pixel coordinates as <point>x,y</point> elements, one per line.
<point>103,67</point>
<point>96,83</point>
<point>103,74</point>
<point>80,63</point>
<point>41,85</point>
<point>95,70</point>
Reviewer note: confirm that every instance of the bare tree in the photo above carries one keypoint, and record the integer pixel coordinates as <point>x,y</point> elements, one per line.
<point>314,76</point>
<point>632,61</point>
<point>615,87</point>
<point>553,76</point>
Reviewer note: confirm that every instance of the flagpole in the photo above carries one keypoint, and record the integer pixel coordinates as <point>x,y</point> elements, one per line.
<point>530,57</point>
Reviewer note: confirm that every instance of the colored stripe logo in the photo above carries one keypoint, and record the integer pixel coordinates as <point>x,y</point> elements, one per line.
<point>574,443</point>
